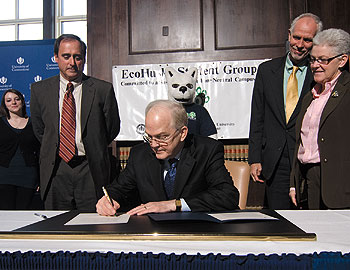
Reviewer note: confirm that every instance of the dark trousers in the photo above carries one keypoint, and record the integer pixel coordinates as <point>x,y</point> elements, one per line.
<point>312,174</point>
<point>15,198</point>
<point>277,187</point>
<point>71,187</point>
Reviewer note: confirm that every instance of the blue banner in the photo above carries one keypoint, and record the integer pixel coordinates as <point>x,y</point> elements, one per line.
<point>25,62</point>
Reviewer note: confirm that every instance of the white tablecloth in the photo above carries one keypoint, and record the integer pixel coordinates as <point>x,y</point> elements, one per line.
<point>332,228</point>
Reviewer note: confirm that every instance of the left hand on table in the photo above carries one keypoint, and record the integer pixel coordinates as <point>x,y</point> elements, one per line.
<point>154,207</point>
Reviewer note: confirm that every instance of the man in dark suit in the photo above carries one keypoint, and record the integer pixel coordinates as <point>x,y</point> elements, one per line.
<point>201,181</point>
<point>272,127</point>
<point>73,178</point>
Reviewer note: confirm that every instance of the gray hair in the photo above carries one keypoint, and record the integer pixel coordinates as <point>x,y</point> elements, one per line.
<point>305,15</point>
<point>337,39</point>
<point>178,112</point>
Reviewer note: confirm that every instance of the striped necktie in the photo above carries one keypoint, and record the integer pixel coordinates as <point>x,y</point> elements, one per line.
<point>67,133</point>
<point>292,93</point>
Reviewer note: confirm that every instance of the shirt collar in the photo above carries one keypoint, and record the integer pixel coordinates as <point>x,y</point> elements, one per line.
<point>177,156</point>
<point>289,65</point>
<point>166,161</point>
<point>329,86</point>
<point>76,82</point>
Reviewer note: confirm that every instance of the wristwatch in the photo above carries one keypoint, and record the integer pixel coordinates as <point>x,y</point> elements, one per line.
<point>178,205</point>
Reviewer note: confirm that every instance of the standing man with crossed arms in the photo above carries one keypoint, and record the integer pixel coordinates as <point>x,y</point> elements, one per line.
<point>279,88</point>
<point>75,117</point>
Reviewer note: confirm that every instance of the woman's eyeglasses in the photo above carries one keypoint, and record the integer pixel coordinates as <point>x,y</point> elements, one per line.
<point>323,61</point>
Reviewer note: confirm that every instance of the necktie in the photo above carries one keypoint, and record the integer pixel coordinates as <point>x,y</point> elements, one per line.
<point>67,133</point>
<point>292,93</point>
<point>170,178</point>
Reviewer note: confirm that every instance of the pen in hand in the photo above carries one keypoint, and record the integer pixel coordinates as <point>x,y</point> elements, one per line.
<point>40,215</point>
<point>108,198</point>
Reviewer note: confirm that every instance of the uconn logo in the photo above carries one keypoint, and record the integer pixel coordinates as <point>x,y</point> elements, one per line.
<point>140,129</point>
<point>3,85</point>
<point>3,80</point>
<point>37,78</point>
<point>19,65</point>
<point>52,65</point>
<point>20,60</point>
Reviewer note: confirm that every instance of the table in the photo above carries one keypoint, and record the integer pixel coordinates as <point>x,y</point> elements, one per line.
<point>330,251</point>
<point>332,228</point>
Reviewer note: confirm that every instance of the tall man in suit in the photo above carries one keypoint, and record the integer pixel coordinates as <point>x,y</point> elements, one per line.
<point>75,117</point>
<point>272,126</point>
<point>172,170</point>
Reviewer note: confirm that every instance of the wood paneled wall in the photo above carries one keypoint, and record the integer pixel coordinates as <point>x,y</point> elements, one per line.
<point>122,32</point>
<point>153,29</point>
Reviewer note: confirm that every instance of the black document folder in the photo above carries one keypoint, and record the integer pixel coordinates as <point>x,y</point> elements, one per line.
<point>146,228</point>
<point>199,216</point>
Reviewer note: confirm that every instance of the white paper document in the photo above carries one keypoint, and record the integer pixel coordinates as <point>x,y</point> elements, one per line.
<point>94,218</point>
<point>242,216</point>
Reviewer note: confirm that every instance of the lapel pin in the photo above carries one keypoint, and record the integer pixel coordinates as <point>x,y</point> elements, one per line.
<point>335,94</point>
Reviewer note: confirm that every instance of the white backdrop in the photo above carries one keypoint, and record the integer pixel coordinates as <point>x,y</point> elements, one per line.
<point>227,85</point>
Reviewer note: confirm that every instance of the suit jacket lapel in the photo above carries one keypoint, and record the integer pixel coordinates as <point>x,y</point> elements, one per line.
<point>304,106</point>
<point>307,83</point>
<point>53,100</point>
<point>184,169</point>
<point>335,97</point>
<point>88,94</point>
<point>155,175</point>
<point>277,82</point>
<point>306,88</point>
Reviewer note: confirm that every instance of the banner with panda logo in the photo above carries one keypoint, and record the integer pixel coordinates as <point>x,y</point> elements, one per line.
<point>25,62</point>
<point>224,87</point>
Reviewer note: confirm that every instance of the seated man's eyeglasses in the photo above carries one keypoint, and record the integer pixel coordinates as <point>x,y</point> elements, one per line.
<point>159,139</point>
<point>323,61</point>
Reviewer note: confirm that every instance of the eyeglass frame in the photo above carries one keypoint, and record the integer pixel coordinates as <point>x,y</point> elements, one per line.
<point>327,61</point>
<point>165,141</point>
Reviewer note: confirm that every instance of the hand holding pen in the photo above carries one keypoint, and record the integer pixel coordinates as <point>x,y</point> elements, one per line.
<point>110,200</point>
<point>40,215</point>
